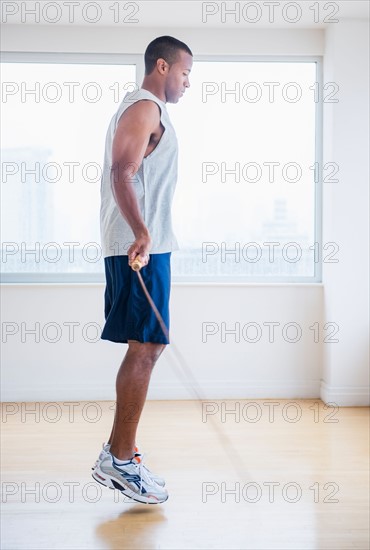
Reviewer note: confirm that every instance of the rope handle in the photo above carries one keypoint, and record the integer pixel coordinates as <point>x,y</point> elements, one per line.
<point>137,264</point>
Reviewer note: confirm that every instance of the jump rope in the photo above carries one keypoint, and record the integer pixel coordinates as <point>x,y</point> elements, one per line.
<point>227,444</point>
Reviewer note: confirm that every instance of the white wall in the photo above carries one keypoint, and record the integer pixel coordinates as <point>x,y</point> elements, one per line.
<point>79,369</point>
<point>83,370</point>
<point>42,38</point>
<point>346,212</point>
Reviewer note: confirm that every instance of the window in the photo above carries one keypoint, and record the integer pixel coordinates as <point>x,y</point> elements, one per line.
<point>247,205</point>
<point>55,117</point>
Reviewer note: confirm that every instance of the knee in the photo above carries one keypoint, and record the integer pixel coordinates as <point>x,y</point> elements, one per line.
<point>152,354</point>
<point>147,354</point>
<point>156,352</point>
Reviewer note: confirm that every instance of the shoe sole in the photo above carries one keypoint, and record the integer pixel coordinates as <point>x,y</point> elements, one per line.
<point>111,483</point>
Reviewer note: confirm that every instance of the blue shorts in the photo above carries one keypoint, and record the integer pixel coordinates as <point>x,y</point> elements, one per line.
<point>128,314</point>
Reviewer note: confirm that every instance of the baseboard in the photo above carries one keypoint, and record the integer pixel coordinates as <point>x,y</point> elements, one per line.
<point>345,396</point>
<point>236,389</point>
<point>167,390</point>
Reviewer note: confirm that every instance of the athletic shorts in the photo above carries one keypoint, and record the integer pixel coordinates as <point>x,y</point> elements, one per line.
<point>128,314</point>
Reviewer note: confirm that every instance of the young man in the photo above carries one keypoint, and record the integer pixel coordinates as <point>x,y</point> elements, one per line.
<point>139,178</point>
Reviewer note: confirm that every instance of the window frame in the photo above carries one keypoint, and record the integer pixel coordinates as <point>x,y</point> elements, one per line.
<point>138,61</point>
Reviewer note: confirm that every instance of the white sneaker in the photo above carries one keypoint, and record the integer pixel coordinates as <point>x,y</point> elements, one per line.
<point>131,479</point>
<point>105,451</point>
<point>103,454</point>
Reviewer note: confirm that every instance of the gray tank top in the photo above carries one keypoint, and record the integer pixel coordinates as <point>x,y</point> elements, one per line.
<point>154,185</point>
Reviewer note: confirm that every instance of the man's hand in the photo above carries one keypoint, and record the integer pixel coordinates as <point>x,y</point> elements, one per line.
<point>141,248</point>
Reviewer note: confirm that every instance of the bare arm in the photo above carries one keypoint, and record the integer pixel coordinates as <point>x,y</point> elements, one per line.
<point>135,128</point>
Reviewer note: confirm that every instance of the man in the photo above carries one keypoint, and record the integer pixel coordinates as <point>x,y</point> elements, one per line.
<point>139,178</point>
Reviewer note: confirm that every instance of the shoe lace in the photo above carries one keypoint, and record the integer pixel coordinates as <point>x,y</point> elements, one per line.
<point>143,471</point>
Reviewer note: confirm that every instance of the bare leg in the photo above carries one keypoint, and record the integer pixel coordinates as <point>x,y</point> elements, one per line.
<point>132,386</point>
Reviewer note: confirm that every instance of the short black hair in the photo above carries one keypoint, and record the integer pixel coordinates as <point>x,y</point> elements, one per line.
<point>165,47</point>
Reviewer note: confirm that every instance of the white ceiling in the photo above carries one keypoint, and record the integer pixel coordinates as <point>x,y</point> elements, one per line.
<point>180,13</point>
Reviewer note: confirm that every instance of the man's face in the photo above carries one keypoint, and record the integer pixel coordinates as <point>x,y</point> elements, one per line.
<point>178,77</point>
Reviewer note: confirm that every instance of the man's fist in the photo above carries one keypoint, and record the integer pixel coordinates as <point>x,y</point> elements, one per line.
<point>141,248</point>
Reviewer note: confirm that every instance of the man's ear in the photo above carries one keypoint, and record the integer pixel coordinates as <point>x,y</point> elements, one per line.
<point>162,65</point>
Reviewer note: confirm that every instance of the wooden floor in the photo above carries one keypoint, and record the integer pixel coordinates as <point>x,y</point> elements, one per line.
<point>299,479</point>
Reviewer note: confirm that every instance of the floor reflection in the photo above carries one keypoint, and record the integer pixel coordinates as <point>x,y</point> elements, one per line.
<point>135,528</point>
